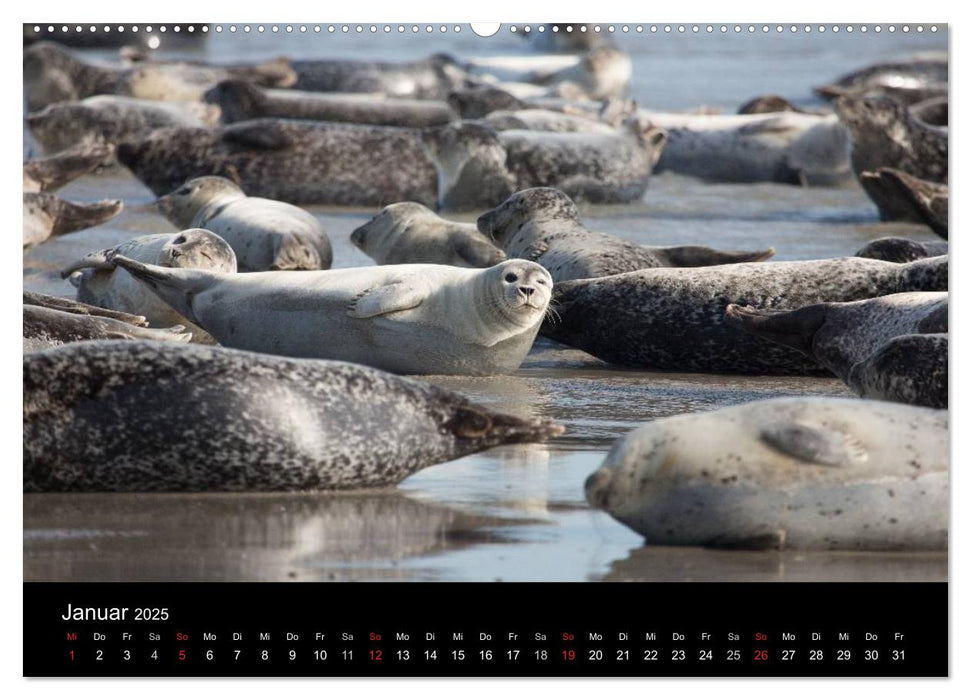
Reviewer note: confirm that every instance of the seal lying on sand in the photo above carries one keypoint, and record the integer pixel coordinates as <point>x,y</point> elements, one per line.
<point>803,473</point>
<point>673,319</point>
<point>893,249</point>
<point>886,135</point>
<point>99,283</point>
<point>912,74</point>
<point>479,167</point>
<point>47,328</point>
<point>431,78</point>
<point>122,416</point>
<point>299,162</point>
<point>543,225</point>
<point>906,369</point>
<point>409,319</point>
<point>54,74</point>
<point>263,233</point>
<point>107,120</point>
<point>53,172</point>
<point>839,335</point>
<point>408,232</point>
<point>47,215</point>
<point>240,100</point>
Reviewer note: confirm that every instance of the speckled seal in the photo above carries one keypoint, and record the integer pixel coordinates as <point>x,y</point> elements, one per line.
<point>408,232</point>
<point>839,335</point>
<point>46,215</point>
<point>903,197</point>
<point>240,100</point>
<point>894,249</point>
<point>301,162</point>
<point>799,473</point>
<point>429,78</point>
<point>674,319</point>
<point>409,319</point>
<point>264,234</point>
<point>908,369</point>
<point>543,224</point>
<point>47,328</point>
<point>142,416</point>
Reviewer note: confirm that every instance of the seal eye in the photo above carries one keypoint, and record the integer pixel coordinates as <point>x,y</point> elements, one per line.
<point>510,277</point>
<point>180,239</point>
<point>184,190</point>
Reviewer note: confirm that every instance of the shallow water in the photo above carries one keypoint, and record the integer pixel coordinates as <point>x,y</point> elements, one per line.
<point>513,513</point>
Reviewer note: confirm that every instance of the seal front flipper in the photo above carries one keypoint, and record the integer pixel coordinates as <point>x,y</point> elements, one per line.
<point>388,299</point>
<point>703,256</point>
<point>292,253</point>
<point>97,261</point>
<point>828,447</point>
<point>79,307</point>
<point>795,329</point>
<point>260,134</point>
<point>764,541</point>
<point>176,286</point>
<point>536,250</point>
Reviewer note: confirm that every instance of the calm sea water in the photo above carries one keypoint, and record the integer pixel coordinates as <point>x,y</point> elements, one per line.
<point>513,513</point>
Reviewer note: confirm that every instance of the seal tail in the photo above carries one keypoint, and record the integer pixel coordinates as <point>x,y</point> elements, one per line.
<point>71,216</point>
<point>702,256</point>
<point>176,286</point>
<point>795,329</point>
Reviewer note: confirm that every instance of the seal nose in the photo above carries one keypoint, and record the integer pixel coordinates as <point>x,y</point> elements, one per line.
<point>596,487</point>
<point>526,291</point>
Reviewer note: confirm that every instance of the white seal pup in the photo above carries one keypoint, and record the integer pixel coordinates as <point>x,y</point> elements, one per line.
<point>263,233</point>
<point>408,319</point>
<point>840,335</point>
<point>906,369</point>
<point>46,215</point>
<point>543,225</point>
<point>894,249</point>
<point>107,120</point>
<point>99,283</point>
<point>47,328</point>
<point>53,172</point>
<point>138,416</point>
<point>673,319</point>
<point>408,232</point>
<point>799,473</point>
<point>239,100</point>
<point>300,162</point>
<point>54,74</point>
<point>478,166</point>
<point>903,197</point>
<point>430,78</point>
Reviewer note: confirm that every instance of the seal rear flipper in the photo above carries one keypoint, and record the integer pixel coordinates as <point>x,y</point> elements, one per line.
<point>794,329</point>
<point>703,256</point>
<point>176,286</point>
<point>173,334</point>
<point>96,261</point>
<point>265,135</point>
<point>477,425</point>
<point>928,199</point>
<point>56,171</point>
<point>72,217</point>
<point>292,253</point>
<point>478,253</point>
<point>388,299</point>
<point>814,444</point>
<point>78,307</point>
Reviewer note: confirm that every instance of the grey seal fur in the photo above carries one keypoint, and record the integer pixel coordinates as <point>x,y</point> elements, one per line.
<point>841,335</point>
<point>99,282</point>
<point>300,162</point>
<point>408,232</point>
<point>931,112</point>
<point>798,473</point>
<point>543,224</point>
<point>478,166</point>
<point>906,369</point>
<point>893,249</point>
<point>673,319</point>
<point>882,76</point>
<point>263,233</point>
<point>430,78</point>
<point>53,172</point>
<point>239,100</point>
<point>47,328</point>
<point>408,319</point>
<point>140,416</point>
<point>903,197</point>
<point>46,215</point>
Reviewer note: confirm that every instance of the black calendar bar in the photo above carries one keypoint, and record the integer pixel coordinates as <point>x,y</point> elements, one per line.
<point>489,629</point>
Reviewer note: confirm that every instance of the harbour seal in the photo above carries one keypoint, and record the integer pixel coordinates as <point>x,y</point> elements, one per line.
<point>46,215</point>
<point>478,166</point>
<point>99,283</point>
<point>53,172</point>
<point>534,119</point>
<point>904,94</point>
<point>481,100</point>
<point>673,319</point>
<point>542,224</point>
<point>893,249</point>
<point>886,135</point>
<point>408,319</point>
<point>263,233</point>
<point>55,74</point>
<point>880,76</point>
<point>931,112</point>
<point>408,232</point>
<point>107,120</point>
<point>902,197</point>
<point>47,328</point>
<point>602,72</point>
<point>138,416</point>
<point>906,369</point>
<point>300,162</point>
<point>798,473</point>
<point>430,78</point>
<point>239,100</point>
<point>840,335</point>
